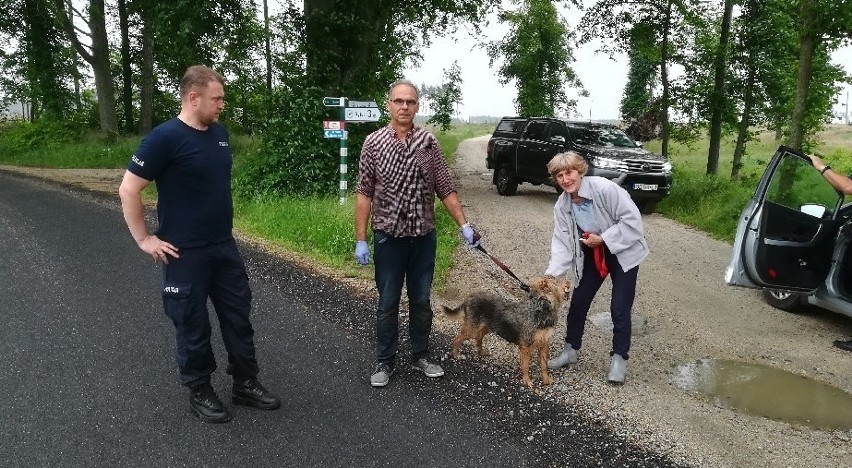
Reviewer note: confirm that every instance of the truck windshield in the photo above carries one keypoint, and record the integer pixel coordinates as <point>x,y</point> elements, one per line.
<point>601,136</point>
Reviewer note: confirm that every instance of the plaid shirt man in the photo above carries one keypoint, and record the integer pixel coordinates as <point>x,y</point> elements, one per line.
<point>402,179</point>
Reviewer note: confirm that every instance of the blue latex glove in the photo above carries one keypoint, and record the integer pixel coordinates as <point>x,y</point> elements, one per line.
<point>470,235</point>
<point>362,252</point>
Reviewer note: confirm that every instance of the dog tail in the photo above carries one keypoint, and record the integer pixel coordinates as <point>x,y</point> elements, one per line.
<point>452,312</point>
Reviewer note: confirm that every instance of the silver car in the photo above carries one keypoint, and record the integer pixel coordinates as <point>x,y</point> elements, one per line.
<point>792,238</point>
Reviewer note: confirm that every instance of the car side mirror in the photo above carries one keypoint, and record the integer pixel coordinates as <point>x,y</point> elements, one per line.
<point>558,139</point>
<point>639,144</point>
<point>813,209</point>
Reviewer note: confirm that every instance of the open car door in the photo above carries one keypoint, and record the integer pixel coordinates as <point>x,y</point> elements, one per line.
<point>786,233</point>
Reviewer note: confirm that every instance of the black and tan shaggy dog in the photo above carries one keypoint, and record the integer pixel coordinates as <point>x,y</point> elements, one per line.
<point>527,323</point>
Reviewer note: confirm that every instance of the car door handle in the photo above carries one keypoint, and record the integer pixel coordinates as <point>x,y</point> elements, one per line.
<point>786,243</point>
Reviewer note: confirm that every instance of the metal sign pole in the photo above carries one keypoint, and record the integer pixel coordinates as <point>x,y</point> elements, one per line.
<point>360,111</point>
<point>344,154</point>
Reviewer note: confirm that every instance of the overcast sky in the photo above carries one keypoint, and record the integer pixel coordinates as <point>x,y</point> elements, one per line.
<point>604,78</point>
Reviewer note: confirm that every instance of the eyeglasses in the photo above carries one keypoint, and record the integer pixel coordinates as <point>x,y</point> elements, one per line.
<point>399,102</point>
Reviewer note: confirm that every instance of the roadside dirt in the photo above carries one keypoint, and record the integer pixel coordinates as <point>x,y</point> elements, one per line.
<point>683,313</point>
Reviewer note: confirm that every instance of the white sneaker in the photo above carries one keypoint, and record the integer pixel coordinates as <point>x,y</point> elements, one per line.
<point>618,369</point>
<point>567,356</point>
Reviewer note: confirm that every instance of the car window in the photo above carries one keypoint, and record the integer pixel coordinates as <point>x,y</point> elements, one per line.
<point>601,136</point>
<point>557,129</point>
<point>797,185</point>
<point>513,126</point>
<point>535,131</point>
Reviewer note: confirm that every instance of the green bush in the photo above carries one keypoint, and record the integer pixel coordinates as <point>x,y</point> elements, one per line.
<point>710,203</point>
<point>62,144</point>
<point>294,158</point>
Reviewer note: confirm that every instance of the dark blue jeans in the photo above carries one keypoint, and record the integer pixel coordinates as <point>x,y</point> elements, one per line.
<point>410,260</point>
<point>216,271</point>
<point>623,293</point>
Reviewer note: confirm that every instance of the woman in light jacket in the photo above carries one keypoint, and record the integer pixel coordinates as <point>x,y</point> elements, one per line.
<point>597,232</point>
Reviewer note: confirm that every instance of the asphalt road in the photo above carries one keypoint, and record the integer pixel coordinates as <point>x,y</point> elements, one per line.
<point>88,378</point>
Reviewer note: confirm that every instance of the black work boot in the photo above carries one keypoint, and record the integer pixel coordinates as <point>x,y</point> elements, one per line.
<point>206,404</point>
<point>249,392</point>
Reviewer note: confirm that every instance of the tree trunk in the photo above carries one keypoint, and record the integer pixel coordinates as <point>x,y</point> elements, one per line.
<point>745,123</point>
<point>98,59</point>
<point>807,46</point>
<point>267,47</point>
<point>718,97</point>
<point>101,68</point>
<point>126,73</point>
<point>664,78</point>
<point>75,58</point>
<point>146,93</point>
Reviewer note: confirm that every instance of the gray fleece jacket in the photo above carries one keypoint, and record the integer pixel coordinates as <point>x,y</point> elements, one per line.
<point>615,213</point>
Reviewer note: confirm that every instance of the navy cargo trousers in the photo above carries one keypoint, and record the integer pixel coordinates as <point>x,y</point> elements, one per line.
<point>217,272</point>
<point>621,304</point>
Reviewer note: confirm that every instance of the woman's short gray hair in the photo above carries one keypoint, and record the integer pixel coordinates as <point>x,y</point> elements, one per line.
<point>567,161</point>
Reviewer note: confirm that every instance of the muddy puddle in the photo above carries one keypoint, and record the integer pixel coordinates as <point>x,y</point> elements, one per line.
<point>769,392</point>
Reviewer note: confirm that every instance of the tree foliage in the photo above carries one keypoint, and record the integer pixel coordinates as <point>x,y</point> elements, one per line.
<point>448,98</point>
<point>84,64</point>
<point>341,48</point>
<point>536,54</point>
<point>643,58</point>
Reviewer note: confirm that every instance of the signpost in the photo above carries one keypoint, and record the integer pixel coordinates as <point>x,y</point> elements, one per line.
<point>343,135</point>
<point>362,114</point>
<point>349,111</point>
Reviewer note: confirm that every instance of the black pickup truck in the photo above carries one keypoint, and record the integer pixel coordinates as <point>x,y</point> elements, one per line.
<point>521,147</point>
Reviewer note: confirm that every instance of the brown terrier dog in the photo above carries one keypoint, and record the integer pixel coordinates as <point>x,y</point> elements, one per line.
<point>528,323</point>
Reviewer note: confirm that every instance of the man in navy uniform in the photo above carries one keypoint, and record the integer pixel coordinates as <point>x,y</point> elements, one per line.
<point>189,158</point>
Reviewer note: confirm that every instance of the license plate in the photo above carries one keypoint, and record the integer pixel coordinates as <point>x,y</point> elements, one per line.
<point>645,186</point>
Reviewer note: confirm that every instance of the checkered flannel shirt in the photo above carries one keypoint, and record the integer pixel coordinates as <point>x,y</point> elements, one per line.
<point>402,179</point>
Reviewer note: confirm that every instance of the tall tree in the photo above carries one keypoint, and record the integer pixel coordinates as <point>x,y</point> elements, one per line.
<point>43,60</point>
<point>643,59</point>
<point>717,100</point>
<point>821,22</point>
<point>126,72</point>
<point>614,20</point>
<point>97,56</point>
<point>267,48</point>
<point>146,70</point>
<point>749,59</point>
<point>448,98</point>
<point>536,53</point>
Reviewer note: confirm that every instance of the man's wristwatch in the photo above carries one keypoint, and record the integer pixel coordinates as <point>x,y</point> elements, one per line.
<point>827,167</point>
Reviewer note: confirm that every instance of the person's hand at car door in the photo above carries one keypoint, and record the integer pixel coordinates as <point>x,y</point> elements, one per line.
<point>840,182</point>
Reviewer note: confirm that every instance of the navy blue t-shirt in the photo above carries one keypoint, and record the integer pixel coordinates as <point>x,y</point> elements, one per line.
<point>192,170</point>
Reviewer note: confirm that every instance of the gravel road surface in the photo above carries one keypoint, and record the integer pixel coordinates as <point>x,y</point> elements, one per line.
<point>683,312</point>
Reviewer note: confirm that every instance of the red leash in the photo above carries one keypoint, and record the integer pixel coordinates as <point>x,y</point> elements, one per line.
<point>600,258</point>
<point>500,264</point>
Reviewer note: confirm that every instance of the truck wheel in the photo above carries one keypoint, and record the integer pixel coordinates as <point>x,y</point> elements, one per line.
<point>647,206</point>
<point>507,184</point>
